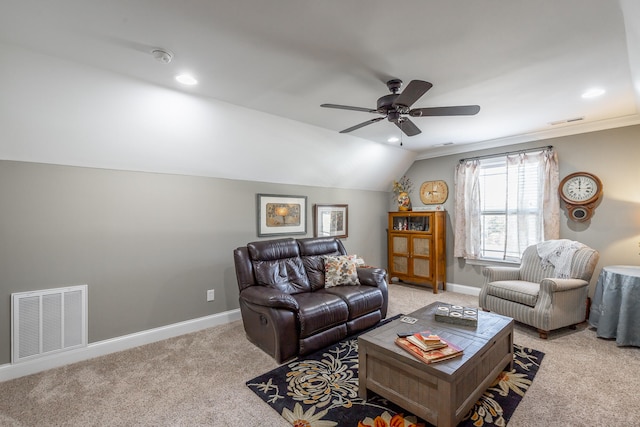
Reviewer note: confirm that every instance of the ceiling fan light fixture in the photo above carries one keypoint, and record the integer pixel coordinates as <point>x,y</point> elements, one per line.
<point>393,139</point>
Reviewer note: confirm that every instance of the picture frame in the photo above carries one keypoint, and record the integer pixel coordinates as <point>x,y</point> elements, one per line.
<point>331,221</point>
<point>280,215</point>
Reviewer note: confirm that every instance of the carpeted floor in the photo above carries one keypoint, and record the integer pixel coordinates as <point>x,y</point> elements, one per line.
<point>323,388</point>
<point>199,379</point>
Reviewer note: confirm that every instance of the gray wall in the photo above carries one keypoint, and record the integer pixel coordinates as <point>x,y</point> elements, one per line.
<point>614,230</point>
<point>148,245</point>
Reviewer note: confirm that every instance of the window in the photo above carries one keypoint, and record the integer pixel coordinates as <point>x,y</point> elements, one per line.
<point>505,204</point>
<point>509,199</point>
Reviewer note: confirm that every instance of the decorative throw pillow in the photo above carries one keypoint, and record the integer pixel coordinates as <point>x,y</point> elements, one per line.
<point>340,270</point>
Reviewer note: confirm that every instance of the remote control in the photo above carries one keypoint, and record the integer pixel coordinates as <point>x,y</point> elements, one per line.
<point>405,334</point>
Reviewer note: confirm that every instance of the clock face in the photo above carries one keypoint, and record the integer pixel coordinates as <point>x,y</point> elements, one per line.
<point>580,188</point>
<point>434,192</point>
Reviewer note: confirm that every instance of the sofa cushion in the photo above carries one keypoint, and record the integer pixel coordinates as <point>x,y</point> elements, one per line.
<point>269,250</point>
<point>340,270</point>
<point>319,311</point>
<point>286,275</point>
<point>313,251</point>
<point>320,246</point>
<point>314,266</point>
<point>515,290</point>
<point>360,299</point>
<point>277,264</point>
<point>364,322</point>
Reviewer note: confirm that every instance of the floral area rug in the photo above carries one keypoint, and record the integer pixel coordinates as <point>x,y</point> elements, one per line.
<point>321,390</point>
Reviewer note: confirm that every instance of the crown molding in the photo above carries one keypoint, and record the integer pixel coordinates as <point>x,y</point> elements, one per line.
<point>557,131</point>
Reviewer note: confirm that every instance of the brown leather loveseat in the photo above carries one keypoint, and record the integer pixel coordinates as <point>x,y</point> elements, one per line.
<point>287,307</point>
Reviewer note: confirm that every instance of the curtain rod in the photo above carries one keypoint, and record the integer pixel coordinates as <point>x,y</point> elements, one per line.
<point>548,147</point>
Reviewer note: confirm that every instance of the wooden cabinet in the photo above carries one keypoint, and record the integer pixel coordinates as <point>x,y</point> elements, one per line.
<point>417,248</point>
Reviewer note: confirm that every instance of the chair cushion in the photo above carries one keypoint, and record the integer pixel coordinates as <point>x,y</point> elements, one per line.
<point>340,270</point>
<point>319,311</point>
<point>515,290</point>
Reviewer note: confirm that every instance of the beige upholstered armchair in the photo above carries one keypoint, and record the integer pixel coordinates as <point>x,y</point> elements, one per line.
<point>548,291</point>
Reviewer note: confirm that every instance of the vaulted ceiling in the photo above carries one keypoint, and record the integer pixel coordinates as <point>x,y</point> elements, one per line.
<point>81,86</point>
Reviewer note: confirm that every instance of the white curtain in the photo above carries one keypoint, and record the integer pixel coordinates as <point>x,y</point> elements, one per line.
<point>466,233</point>
<point>550,198</point>
<point>532,205</point>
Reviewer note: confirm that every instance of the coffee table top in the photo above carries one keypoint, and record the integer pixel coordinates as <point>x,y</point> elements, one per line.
<point>472,339</point>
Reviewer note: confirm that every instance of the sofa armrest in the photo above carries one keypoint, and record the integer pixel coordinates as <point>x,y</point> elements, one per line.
<point>372,276</point>
<point>550,285</point>
<point>494,274</point>
<point>267,297</point>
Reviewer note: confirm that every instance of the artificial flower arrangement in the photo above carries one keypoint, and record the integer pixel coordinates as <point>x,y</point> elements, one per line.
<point>401,190</point>
<point>404,185</point>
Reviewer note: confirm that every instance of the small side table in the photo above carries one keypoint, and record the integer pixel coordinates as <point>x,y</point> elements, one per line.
<point>615,311</point>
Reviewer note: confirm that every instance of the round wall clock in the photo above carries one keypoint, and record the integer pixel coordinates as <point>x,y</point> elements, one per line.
<point>434,192</point>
<point>580,188</point>
<point>580,191</point>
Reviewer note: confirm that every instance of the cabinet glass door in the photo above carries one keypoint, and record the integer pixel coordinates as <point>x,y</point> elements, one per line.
<point>411,223</point>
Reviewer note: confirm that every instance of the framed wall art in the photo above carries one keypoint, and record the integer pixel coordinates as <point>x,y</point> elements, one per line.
<point>331,220</point>
<point>281,215</point>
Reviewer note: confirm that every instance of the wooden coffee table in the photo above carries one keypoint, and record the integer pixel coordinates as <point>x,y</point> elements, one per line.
<point>441,393</point>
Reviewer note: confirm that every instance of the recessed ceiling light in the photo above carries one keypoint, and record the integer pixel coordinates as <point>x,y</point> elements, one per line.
<point>593,93</point>
<point>393,139</point>
<point>186,79</point>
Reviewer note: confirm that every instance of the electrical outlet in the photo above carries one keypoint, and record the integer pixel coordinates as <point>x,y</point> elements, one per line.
<point>210,294</point>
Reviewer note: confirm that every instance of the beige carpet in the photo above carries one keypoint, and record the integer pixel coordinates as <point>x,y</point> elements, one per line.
<point>198,380</point>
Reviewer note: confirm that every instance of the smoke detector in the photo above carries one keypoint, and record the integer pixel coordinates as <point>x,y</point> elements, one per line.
<point>162,55</point>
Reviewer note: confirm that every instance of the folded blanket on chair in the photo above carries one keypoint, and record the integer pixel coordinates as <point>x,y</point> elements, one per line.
<point>558,253</point>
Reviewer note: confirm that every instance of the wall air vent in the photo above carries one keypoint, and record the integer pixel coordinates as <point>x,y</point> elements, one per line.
<point>560,122</point>
<point>48,321</point>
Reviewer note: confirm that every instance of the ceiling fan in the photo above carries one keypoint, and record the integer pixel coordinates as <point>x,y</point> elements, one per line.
<point>395,106</point>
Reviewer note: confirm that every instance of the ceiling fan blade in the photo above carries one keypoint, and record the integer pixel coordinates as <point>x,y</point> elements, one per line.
<point>408,127</point>
<point>361,125</point>
<point>460,110</point>
<point>346,107</point>
<point>414,90</point>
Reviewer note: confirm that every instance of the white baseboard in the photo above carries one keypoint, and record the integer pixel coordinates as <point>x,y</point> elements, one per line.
<point>10,371</point>
<point>463,289</point>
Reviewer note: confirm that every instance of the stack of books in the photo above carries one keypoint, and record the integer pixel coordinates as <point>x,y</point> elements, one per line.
<point>427,347</point>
